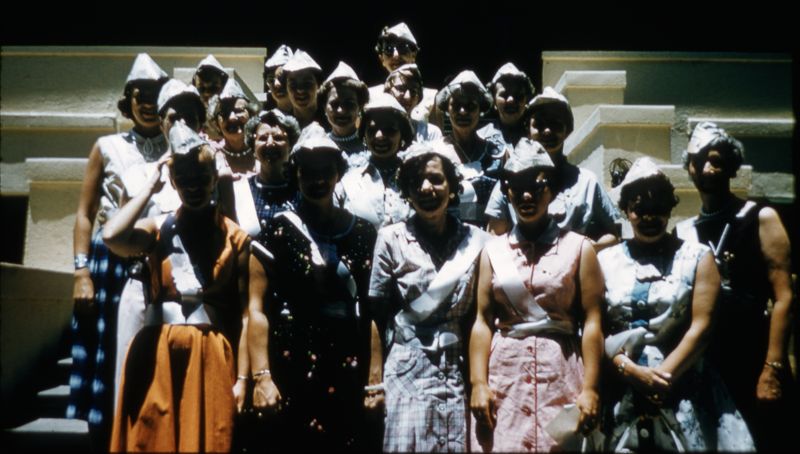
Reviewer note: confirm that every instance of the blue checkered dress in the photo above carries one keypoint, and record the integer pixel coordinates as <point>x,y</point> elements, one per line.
<point>91,381</point>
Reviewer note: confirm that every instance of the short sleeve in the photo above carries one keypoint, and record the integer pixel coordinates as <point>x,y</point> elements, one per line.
<point>380,282</point>
<point>497,206</point>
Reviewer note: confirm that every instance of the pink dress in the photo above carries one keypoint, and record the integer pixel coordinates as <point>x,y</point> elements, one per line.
<point>534,365</point>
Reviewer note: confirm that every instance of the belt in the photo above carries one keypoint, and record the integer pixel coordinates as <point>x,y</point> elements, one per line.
<point>175,313</point>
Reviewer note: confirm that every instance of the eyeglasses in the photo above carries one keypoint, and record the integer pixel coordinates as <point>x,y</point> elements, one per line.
<point>523,184</point>
<point>402,48</point>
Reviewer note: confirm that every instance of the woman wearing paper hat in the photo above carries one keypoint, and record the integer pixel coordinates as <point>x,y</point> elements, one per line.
<point>421,291</point>
<point>537,286</point>
<point>370,188</point>
<point>511,90</point>
<point>275,80</point>
<point>303,76</point>
<point>100,274</point>
<point>465,99</point>
<point>660,296</point>
<point>192,333</point>
<point>580,203</point>
<point>344,95</point>
<point>405,84</point>
<point>232,111</point>
<point>209,79</point>
<point>309,331</point>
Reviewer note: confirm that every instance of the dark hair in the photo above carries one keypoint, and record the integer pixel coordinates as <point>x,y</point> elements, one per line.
<point>360,88</point>
<point>270,117</point>
<point>407,132</point>
<point>525,81</point>
<point>292,165</point>
<point>205,71</point>
<point>411,169</point>
<point>657,189</point>
<point>565,114</point>
<point>727,146</point>
<point>124,103</point>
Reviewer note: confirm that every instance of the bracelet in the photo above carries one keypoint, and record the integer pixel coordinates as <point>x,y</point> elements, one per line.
<point>242,377</point>
<point>81,261</point>
<point>621,366</point>
<point>376,388</point>
<point>777,365</point>
<point>262,372</point>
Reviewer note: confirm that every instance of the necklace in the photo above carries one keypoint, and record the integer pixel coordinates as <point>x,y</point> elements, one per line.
<point>237,154</point>
<point>349,138</point>
<point>151,148</point>
<point>725,206</point>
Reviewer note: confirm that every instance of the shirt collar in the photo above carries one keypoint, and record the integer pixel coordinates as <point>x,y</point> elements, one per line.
<point>548,237</point>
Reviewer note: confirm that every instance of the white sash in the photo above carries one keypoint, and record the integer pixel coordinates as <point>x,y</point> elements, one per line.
<point>445,281</point>
<point>360,201</point>
<point>183,274</point>
<point>520,298</point>
<point>246,207</point>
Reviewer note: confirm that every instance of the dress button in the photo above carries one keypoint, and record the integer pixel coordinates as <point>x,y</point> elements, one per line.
<point>644,433</point>
<point>440,376</point>
<point>641,304</point>
<point>440,407</point>
<point>526,411</point>
<point>442,440</point>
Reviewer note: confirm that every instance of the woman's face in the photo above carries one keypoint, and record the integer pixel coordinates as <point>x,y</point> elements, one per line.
<point>194,180</point>
<point>271,145</point>
<point>208,84</point>
<point>464,111</point>
<point>317,176</point>
<point>181,109</point>
<point>529,194</point>
<point>302,88</point>
<point>396,53</point>
<point>649,221</point>
<point>548,128</point>
<point>232,117</point>
<point>408,92</point>
<point>276,88</point>
<point>144,101</point>
<point>709,171</point>
<point>510,98</point>
<point>342,110</point>
<point>383,134</point>
<point>431,191</point>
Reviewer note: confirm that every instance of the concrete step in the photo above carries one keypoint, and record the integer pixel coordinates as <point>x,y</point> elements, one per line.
<point>48,435</point>
<point>52,402</point>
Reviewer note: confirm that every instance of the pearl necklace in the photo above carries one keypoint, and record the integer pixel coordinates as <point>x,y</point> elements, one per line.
<point>705,214</point>
<point>237,154</point>
<point>349,138</point>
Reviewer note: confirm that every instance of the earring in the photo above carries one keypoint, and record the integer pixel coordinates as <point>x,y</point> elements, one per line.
<point>452,196</point>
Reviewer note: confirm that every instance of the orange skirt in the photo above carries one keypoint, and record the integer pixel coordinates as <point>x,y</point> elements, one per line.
<point>176,392</point>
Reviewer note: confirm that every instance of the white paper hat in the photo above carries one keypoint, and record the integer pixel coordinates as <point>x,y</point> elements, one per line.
<point>399,31</point>
<point>312,140</point>
<point>641,169</point>
<point>232,89</point>
<point>385,101</point>
<point>173,89</point>
<point>439,147</point>
<point>299,61</point>
<point>279,58</point>
<point>183,139</point>
<point>464,78</point>
<point>509,70</point>
<point>145,68</point>
<point>342,71</point>
<point>528,154</point>
<point>211,62</point>
<point>550,97</point>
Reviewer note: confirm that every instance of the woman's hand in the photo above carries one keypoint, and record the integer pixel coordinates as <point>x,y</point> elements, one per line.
<point>482,405</point>
<point>239,392</point>
<point>652,382</point>
<point>374,400</point>
<point>266,395</point>
<point>83,292</point>
<point>155,182</point>
<point>768,388</point>
<point>588,403</point>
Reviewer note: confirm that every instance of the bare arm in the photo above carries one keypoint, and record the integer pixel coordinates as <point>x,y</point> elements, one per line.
<point>592,286</point>
<point>265,393</point>
<point>375,399</point>
<point>243,360</point>
<point>83,288</point>
<point>480,342</point>
<point>606,240</point>
<point>498,226</point>
<point>123,234</point>
<point>775,247</point>
<point>694,342</point>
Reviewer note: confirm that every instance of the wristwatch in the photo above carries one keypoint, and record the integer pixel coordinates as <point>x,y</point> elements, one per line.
<point>777,365</point>
<point>81,261</point>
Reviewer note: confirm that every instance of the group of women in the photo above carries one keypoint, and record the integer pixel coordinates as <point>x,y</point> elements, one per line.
<point>329,272</point>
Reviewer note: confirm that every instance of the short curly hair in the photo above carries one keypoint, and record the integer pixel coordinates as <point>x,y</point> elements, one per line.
<point>410,171</point>
<point>656,189</point>
<point>727,146</point>
<point>273,117</point>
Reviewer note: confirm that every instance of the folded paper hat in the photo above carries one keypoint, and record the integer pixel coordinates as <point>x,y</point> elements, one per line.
<point>233,90</point>
<point>342,71</point>
<point>184,139</point>
<point>551,98</point>
<point>279,58</point>
<point>528,154</point>
<point>300,61</point>
<point>174,89</point>
<point>510,71</point>
<point>463,79</point>
<point>641,169</point>
<point>145,68</point>
<point>399,31</point>
<point>211,62</point>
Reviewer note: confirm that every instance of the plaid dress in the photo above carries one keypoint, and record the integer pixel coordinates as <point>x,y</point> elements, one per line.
<point>426,407</point>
